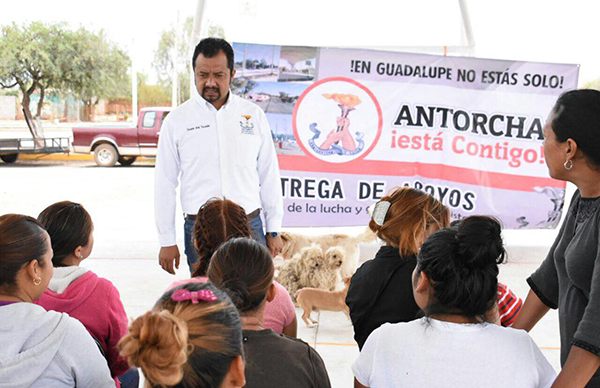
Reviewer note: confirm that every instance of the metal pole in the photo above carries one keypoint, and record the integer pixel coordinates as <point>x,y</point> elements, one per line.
<point>134,89</point>
<point>467,25</point>
<point>194,39</point>
<point>175,57</point>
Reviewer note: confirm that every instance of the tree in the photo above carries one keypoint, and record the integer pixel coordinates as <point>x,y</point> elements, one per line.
<point>595,84</point>
<point>50,57</point>
<point>33,57</point>
<point>98,69</point>
<point>163,57</point>
<point>152,95</point>
<point>216,31</point>
<point>164,54</point>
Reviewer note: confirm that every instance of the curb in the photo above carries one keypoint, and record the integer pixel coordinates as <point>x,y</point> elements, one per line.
<point>65,157</point>
<point>70,157</point>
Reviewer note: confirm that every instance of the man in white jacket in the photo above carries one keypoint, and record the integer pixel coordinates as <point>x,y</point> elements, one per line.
<point>216,145</point>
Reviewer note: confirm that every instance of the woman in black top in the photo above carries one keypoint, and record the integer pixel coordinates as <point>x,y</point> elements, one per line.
<point>569,278</point>
<point>381,289</point>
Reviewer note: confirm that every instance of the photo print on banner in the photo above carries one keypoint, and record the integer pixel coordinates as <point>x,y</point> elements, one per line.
<point>349,125</point>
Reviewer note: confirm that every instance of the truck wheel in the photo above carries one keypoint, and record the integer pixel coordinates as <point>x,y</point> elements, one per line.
<point>9,158</point>
<point>127,160</point>
<point>105,155</point>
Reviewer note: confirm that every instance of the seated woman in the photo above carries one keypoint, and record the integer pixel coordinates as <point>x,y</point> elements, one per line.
<point>243,268</point>
<point>508,304</point>
<point>455,284</point>
<point>191,338</point>
<point>77,291</point>
<point>39,348</point>
<point>381,290</point>
<point>218,221</point>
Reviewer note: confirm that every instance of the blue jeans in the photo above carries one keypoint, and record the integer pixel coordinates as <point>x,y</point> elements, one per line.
<point>256,232</point>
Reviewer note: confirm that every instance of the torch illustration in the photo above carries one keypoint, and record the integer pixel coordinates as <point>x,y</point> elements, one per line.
<point>346,102</point>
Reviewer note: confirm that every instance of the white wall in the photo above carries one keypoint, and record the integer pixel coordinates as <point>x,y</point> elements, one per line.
<point>8,107</point>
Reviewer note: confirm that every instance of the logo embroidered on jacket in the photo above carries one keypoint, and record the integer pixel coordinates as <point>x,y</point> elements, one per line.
<point>246,125</point>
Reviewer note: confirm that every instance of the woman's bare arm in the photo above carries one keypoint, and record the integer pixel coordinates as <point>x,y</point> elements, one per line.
<point>532,311</point>
<point>578,370</point>
<point>291,330</point>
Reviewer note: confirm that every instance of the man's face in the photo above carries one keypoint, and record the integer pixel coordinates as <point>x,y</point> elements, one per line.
<point>213,78</point>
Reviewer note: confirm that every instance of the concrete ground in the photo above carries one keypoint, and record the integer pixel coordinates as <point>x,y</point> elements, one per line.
<point>120,200</point>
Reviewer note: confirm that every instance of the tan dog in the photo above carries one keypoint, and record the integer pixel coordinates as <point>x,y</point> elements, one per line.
<point>314,299</point>
<point>330,273</point>
<point>301,270</point>
<point>293,243</point>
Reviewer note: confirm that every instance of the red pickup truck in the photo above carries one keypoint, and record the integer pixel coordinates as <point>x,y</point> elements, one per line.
<point>112,144</point>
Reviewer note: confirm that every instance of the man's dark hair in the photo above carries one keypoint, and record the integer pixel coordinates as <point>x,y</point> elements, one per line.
<point>210,48</point>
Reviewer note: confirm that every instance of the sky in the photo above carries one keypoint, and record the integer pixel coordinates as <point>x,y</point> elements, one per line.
<point>555,31</point>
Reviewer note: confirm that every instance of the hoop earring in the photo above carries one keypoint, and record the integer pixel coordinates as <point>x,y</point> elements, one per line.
<point>568,164</point>
<point>37,281</point>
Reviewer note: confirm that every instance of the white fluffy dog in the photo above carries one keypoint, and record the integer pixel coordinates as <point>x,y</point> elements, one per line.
<point>300,271</point>
<point>293,243</point>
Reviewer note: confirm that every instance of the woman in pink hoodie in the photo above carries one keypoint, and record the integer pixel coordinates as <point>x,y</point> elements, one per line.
<point>77,291</point>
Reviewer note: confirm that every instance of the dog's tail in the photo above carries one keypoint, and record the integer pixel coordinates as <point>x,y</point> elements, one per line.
<point>365,237</point>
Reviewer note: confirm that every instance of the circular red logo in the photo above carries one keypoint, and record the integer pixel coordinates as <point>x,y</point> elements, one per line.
<point>337,120</point>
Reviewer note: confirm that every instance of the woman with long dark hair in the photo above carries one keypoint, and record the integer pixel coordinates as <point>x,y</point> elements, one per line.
<point>569,278</point>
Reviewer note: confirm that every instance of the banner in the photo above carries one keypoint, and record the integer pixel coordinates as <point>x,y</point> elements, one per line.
<point>349,125</point>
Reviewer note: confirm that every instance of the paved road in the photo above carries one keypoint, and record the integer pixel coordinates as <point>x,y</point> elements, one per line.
<point>120,200</point>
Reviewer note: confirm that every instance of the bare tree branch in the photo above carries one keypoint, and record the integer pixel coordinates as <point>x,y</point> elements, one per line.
<point>8,86</point>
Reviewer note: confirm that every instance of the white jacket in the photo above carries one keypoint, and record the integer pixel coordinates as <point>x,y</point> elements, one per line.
<point>40,348</point>
<point>208,153</point>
